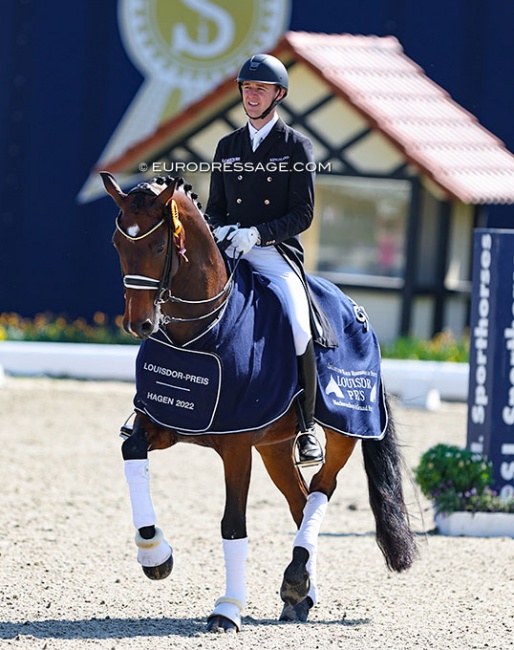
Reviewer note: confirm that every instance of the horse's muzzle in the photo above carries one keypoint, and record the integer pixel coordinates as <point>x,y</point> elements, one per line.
<point>140,330</point>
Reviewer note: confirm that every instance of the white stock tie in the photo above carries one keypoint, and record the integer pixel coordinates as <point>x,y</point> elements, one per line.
<point>256,141</point>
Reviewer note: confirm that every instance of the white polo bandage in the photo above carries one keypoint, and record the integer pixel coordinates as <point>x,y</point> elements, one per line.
<point>138,479</point>
<point>235,552</point>
<point>307,536</point>
<point>233,602</point>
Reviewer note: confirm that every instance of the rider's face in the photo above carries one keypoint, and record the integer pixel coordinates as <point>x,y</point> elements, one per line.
<point>257,97</point>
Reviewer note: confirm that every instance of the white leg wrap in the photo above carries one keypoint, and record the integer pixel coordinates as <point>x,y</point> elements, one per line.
<point>233,602</point>
<point>312,570</point>
<point>235,552</point>
<point>138,479</point>
<point>152,552</point>
<point>307,536</point>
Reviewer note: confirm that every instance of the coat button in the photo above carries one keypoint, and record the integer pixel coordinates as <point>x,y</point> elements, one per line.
<point>239,200</point>
<point>240,177</point>
<point>266,201</point>
<point>269,179</point>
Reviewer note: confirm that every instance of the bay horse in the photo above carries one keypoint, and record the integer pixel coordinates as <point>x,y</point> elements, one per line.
<point>177,281</point>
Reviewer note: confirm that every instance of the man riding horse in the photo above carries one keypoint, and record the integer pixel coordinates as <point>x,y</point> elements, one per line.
<point>261,198</point>
<point>196,306</point>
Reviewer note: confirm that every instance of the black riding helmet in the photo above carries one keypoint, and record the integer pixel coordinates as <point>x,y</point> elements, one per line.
<point>267,69</point>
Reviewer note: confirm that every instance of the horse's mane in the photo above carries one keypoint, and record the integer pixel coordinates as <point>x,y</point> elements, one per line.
<point>187,188</point>
<point>149,187</point>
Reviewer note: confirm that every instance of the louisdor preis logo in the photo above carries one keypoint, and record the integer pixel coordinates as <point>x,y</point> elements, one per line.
<point>184,48</point>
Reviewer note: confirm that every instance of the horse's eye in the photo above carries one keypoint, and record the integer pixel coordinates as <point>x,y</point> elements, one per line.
<point>159,248</point>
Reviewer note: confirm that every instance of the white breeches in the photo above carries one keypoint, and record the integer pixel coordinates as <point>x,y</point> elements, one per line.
<point>270,263</point>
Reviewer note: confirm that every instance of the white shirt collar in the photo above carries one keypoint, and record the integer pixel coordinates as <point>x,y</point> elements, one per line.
<point>264,130</point>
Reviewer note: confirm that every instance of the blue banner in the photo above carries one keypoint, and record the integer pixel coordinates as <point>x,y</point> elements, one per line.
<point>491,358</point>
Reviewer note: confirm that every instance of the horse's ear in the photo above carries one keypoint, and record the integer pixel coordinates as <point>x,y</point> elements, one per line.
<point>113,189</point>
<point>163,198</point>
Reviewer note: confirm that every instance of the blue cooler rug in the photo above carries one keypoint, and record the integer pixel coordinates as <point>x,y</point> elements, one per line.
<point>241,374</point>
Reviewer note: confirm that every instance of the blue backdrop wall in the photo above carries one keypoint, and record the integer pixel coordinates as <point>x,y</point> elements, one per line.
<point>65,82</point>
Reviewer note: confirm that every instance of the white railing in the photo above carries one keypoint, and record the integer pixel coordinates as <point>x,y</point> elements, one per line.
<point>416,383</point>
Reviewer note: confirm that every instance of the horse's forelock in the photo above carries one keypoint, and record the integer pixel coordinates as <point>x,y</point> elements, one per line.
<point>138,200</point>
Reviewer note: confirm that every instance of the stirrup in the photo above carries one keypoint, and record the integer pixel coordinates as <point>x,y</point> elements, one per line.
<point>127,427</point>
<point>296,452</point>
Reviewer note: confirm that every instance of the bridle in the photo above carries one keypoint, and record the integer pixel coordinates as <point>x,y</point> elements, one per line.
<point>163,285</point>
<point>175,236</point>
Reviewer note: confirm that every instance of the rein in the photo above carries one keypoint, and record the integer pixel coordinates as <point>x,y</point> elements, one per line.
<point>163,286</point>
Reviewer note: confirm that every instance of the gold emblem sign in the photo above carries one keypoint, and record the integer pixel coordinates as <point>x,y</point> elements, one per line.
<point>185,48</point>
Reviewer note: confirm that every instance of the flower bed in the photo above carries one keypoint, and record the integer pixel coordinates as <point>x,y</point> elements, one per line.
<point>48,328</point>
<point>458,482</point>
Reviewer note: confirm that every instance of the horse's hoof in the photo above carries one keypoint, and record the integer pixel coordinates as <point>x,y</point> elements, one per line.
<point>159,572</point>
<point>221,625</point>
<point>296,613</point>
<point>155,555</point>
<point>296,582</point>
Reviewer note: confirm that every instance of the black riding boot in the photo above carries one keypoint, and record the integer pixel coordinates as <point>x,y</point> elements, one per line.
<point>309,448</point>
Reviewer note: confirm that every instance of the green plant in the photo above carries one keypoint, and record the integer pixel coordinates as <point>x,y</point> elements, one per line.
<point>456,479</point>
<point>442,347</point>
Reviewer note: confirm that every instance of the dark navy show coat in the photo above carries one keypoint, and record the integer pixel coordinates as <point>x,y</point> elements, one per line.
<point>271,188</point>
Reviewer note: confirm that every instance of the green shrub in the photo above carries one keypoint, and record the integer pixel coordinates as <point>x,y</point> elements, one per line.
<point>443,347</point>
<point>456,479</point>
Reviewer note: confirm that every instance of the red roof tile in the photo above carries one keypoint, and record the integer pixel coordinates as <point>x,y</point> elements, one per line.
<point>435,134</point>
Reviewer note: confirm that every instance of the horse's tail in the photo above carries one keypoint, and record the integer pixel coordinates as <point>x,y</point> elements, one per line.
<point>383,463</point>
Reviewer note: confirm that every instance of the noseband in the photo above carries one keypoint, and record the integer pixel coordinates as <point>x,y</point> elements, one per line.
<point>163,286</point>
